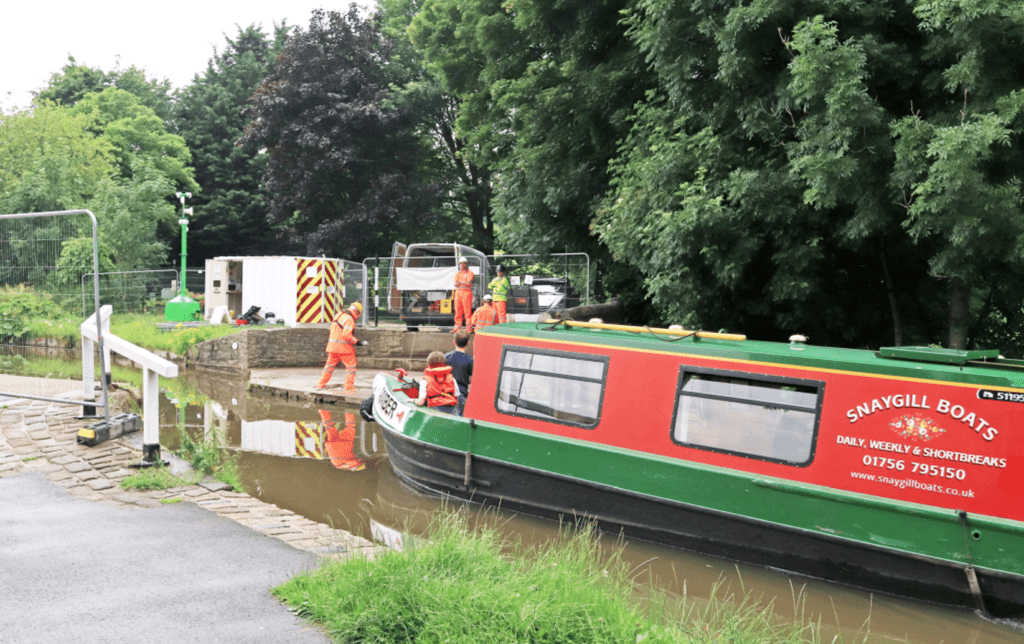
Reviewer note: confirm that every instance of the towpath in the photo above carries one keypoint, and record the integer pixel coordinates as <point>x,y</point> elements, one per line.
<point>85,561</point>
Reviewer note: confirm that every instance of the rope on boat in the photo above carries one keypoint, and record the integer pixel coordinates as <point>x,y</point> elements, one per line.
<point>677,334</point>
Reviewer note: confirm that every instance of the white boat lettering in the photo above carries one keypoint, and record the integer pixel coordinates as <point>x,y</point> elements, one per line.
<point>972,420</point>
<point>852,441</point>
<point>883,403</point>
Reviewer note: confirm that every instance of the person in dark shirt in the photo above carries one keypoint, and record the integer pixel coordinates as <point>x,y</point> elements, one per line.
<point>462,367</point>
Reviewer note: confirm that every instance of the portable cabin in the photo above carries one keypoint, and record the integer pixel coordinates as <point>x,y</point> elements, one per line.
<point>297,290</point>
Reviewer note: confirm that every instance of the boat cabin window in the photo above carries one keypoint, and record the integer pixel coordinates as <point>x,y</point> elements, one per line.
<point>561,387</point>
<point>768,418</point>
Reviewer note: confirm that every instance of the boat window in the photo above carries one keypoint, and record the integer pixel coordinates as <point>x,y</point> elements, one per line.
<point>565,388</point>
<point>771,419</point>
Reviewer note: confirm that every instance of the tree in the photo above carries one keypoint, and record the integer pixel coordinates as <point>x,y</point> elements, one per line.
<point>73,82</point>
<point>545,91</point>
<point>230,212</point>
<point>344,171</point>
<point>467,184</point>
<point>137,133</point>
<point>49,160</point>
<point>833,169</point>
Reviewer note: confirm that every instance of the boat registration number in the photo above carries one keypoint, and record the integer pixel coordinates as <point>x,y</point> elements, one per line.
<point>386,404</point>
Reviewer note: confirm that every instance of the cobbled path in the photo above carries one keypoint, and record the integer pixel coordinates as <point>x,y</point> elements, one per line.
<point>38,436</point>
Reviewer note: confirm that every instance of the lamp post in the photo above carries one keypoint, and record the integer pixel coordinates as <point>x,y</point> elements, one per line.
<point>183,308</point>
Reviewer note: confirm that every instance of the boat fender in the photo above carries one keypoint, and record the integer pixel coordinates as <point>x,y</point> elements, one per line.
<point>366,410</point>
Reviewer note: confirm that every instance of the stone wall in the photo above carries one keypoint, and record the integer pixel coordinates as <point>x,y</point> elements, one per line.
<point>264,348</point>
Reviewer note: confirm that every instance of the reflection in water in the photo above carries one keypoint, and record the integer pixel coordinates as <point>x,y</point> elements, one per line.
<point>297,458</point>
<point>340,444</point>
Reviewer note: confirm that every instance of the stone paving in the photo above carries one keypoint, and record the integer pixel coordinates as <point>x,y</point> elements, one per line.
<point>38,436</point>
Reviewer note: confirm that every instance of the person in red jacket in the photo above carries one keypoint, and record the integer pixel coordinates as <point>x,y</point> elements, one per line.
<point>485,316</point>
<point>463,295</point>
<point>342,347</point>
<point>438,389</point>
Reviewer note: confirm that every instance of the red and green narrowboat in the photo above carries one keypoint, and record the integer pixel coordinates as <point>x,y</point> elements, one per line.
<point>899,470</point>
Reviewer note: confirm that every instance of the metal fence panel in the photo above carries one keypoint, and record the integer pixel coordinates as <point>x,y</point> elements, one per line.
<point>129,291</point>
<point>43,257</point>
<point>541,284</point>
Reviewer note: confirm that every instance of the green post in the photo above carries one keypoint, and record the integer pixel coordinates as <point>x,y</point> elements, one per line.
<point>183,308</point>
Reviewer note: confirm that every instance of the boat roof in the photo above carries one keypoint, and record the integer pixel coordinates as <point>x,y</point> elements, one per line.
<point>979,367</point>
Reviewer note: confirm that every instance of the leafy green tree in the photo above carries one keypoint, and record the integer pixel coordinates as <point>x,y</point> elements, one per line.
<point>137,133</point>
<point>546,91</point>
<point>230,213</point>
<point>132,213</point>
<point>73,82</point>
<point>467,184</point>
<point>345,163</point>
<point>829,168</point>
<point>49,160</point>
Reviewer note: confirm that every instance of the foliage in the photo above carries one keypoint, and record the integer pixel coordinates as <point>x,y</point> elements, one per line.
<point>230,212</point>
<point>49,161</point>
<point>206,456</point>
<point>344,171</point>
<point>466,185</point>
<point>830,168</point>
<point>137,134</point>
<point>73,82</point>
<point>470,586</point>
<point>141,329</point>
<point>131,213</point>
<point>20,306</point>
<point>154,478</point>
<point>545,91</point>
<point>76,260</point>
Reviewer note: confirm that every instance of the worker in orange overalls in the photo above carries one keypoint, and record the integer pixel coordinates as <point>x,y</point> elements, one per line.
<point>342,347</point>
<point>463,295</point>
<point>339,445</point>
<point>485,316</point>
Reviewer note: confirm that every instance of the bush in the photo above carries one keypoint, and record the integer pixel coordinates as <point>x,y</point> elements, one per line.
<point>21,307</point>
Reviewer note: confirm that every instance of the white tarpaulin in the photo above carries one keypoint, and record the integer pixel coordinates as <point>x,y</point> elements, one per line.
<point>422,279</point>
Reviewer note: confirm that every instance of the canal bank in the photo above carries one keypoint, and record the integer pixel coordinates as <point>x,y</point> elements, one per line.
<point>88,561</point>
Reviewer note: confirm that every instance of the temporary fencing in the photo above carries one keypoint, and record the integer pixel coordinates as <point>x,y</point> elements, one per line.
<point>541,284</point>
<point>43,257</point>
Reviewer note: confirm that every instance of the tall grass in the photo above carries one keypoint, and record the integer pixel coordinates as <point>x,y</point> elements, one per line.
<point>142,330</point>
<point>471,586</point>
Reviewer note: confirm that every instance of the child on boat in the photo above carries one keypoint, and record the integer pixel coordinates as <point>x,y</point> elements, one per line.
<point>438,389</point>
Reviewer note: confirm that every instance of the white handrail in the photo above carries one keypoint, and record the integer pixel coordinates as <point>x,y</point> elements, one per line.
<point>153,366</point>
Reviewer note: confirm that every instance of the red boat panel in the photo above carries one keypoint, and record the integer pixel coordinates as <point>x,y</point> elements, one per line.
<point>928,442</point>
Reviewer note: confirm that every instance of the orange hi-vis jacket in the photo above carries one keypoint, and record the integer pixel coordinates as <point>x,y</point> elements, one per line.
<point>440,386</point>
<point>464,280</point>
<point>485,316</point>
<point>342,340</point>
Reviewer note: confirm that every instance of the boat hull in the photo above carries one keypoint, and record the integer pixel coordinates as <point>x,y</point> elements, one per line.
<point>439,470</point>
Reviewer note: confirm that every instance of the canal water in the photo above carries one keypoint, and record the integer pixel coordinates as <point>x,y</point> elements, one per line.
<point>327,464</point>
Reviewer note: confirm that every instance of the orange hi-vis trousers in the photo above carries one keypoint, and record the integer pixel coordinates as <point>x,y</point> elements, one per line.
<point>463,307</point>
<point>349,360</point>
<point>502,316</point>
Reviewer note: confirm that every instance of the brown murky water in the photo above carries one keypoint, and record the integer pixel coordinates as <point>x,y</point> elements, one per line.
<point>328,465</point>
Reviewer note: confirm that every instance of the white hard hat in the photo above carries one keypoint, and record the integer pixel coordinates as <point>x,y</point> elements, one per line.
<point>488,298</point>
<point>463,260</point>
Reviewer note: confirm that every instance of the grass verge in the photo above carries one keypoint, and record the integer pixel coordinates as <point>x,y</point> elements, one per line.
<point>155,478</point>
<point>473,587</point>
<point>141,330</point>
